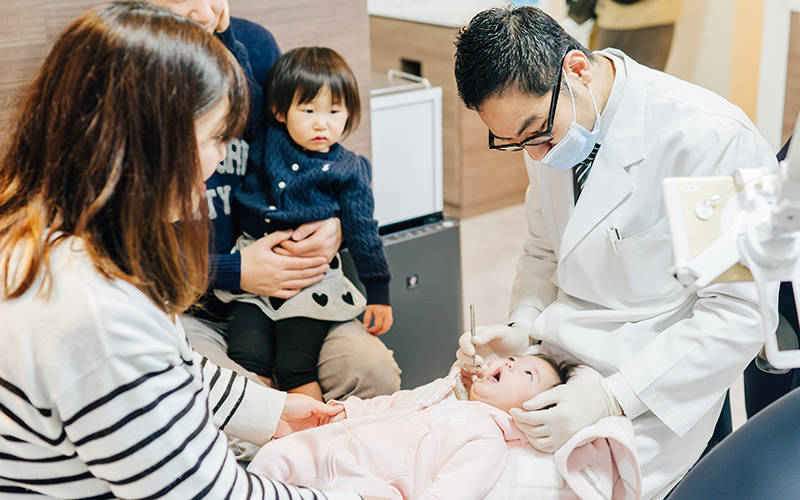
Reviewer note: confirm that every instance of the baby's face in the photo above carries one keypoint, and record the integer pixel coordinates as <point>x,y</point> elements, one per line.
<point>510,382</point>
<point>316,125</point>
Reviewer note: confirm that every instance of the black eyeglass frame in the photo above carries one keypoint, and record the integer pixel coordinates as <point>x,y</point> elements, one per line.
<point>539,137</point>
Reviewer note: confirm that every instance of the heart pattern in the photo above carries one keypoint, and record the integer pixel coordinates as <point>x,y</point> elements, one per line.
<point>276,303</point>
<point>335,262</point>
<point>320,298</point>
<point>348,297</point>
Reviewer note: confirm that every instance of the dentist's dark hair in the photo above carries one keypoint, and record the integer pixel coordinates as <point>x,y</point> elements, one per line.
<point>510,47</point>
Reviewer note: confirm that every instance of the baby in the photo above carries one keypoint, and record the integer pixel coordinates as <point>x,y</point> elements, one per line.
<point>446,439</point>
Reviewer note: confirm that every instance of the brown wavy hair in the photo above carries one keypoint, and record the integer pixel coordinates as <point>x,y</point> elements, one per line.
<point>103,148</point>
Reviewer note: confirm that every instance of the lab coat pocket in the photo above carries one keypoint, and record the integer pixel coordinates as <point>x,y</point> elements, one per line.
<point>642,263</point>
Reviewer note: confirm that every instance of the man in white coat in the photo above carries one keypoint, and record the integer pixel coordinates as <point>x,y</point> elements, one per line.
<point>600,132</point>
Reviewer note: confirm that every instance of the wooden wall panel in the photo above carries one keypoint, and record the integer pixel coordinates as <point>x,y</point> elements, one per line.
<point>342,25</point>
<point>791,104</point>
<point>28,28</point>
<point>393,40</point>
<point>476,179</point>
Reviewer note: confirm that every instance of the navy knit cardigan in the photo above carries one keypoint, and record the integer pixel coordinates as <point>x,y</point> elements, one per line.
<point>286,186</point>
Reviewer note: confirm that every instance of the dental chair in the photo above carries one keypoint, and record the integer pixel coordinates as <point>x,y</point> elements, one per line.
<point>759,460</point>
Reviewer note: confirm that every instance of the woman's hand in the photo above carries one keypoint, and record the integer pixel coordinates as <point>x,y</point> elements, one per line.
<point>381,315</point>
<point>339,417</point>
<point>314,239</point>
<point>304,412</point>
<point>265,272</point>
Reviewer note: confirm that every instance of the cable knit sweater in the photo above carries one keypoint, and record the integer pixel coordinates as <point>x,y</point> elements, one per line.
<point>287,186</point>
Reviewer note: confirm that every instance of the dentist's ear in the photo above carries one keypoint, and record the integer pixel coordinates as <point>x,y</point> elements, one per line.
<point>577,65</point>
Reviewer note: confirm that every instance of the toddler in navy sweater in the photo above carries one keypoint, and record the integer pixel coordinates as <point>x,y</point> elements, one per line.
<point>298,173</point>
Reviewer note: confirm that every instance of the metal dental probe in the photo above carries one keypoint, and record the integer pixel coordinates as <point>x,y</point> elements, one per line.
<point>479,371</point>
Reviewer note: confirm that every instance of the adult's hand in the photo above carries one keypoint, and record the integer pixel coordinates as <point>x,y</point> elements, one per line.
<point>265,272</point>
<point>553,416</point>
<point>304,412</point>
<point>497,341</point>
<point>313,239</point>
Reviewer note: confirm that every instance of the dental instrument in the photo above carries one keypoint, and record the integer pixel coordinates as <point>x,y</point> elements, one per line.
<point>479,370</point>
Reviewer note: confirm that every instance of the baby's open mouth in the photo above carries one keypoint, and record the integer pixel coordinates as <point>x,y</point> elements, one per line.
<point>494,377</point>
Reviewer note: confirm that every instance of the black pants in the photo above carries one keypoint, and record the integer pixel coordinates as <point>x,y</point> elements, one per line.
<point>287,349</point>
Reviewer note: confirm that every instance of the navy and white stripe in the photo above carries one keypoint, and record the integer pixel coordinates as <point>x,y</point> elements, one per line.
<point>102,397</point>
<point>136,456</point>
<point>581,171</point>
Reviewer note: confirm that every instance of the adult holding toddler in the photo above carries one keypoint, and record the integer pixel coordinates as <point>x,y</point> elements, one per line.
<point>279,265</point>
<point>103,243</point>
<point>300,173</point>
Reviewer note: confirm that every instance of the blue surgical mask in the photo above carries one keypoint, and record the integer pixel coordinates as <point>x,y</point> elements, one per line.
<point>577,143</point>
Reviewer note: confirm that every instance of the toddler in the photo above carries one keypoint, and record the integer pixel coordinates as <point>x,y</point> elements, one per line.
<point>446,439</point>
<point>300,173</point>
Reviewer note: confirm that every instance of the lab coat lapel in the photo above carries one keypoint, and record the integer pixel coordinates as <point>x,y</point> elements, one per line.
<point>622,145</point>
<point>610,186</point>
<point>557,194</point>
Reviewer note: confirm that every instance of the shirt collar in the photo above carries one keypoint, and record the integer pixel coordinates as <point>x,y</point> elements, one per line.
<point>615,97</point>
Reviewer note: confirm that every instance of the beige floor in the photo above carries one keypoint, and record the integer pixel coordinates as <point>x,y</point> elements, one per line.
<point>490,246</point>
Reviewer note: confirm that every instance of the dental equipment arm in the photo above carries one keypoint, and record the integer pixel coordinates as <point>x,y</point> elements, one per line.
<point>761,231</point>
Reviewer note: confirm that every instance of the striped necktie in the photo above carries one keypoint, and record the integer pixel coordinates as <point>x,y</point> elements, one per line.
<point>581,171</point>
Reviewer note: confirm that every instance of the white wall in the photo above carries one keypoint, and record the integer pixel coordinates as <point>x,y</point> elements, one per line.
<point>701,49</point>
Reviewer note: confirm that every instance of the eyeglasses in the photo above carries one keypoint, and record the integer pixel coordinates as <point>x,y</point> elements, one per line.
<point>539,137</point>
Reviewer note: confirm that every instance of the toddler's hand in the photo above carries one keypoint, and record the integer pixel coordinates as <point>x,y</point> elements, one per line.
<point>382,316</point>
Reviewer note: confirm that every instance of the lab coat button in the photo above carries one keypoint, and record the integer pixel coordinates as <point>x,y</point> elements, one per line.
<point>295,167</point>
<point>281,184</point>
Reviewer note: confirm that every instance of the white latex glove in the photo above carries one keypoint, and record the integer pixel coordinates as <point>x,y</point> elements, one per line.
<point>552,417</point>
<point>497,341</point>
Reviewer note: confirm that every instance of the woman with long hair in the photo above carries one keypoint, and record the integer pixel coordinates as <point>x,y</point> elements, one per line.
<point>103,242</point>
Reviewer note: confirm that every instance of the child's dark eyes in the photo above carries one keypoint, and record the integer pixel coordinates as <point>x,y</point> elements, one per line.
<point>529,374</point>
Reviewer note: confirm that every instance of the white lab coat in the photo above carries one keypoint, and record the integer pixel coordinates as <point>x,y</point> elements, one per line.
<point>668,355</point>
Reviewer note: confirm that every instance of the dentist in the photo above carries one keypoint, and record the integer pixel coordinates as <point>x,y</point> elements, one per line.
<point>600,133</point>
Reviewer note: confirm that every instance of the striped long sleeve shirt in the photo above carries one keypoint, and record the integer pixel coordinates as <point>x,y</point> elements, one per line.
<point>102,397</point>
